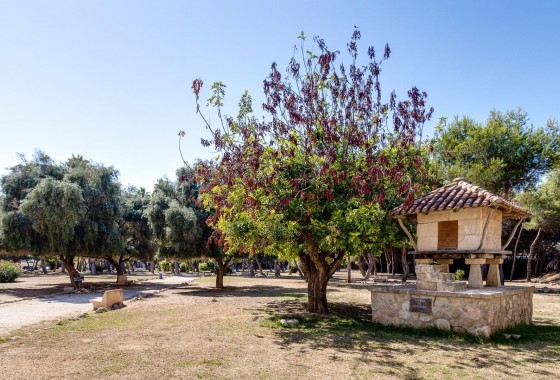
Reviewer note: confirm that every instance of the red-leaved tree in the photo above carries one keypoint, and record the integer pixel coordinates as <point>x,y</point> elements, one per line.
<point>301,182</point>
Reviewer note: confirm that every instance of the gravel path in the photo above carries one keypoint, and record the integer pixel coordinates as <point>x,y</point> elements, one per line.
<point>15,315</point>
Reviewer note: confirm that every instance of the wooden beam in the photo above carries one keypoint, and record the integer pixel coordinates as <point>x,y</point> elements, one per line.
<point>512,233</point>
<point>485,228</point>
<point>407,234</point>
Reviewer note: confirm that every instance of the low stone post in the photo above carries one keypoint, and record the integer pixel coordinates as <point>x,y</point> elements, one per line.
<point>445,263</point>
<point>475,273</point>
<point>493,278</point>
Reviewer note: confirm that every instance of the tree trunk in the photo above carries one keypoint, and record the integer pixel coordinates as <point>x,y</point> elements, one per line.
<point>259,265</point>
<point>349,269</point>
<point>43,265</point>
<point>72,272</point>
<point>515,254</point>
<point>532,255</point>
<point>393,269</point>
<point>404,259</point>
<point>361,261</point>
<point>118,267</point>
<point>318,272</point>
<point>222,266</point>
<point>300,271</point>
<point>276,268</point>
<point>62,267</point>
<point>374,265</point>
<point>388,258</point>
<point>370,260</point>
<point>92,268</point>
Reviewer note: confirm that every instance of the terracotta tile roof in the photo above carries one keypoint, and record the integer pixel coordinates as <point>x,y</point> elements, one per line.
<point>457,195</point>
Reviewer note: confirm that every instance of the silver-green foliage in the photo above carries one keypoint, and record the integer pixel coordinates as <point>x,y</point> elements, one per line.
<point>61,209</point>
<point>55,209</point>
<point>174,222</point>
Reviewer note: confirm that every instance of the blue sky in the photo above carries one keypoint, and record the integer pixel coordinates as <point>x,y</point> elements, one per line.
<point>110,80</point>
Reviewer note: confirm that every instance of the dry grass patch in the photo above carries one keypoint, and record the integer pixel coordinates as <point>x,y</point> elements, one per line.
<point>196,331</point>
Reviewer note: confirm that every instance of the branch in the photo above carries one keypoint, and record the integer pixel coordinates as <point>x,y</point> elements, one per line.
<point>485,228</point>
<point>512,234</point>
<point>403,227</point>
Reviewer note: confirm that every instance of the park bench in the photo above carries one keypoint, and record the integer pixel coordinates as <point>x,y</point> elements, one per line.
<point>110,298</point>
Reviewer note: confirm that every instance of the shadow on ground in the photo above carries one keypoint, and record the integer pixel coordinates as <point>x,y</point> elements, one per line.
<point>245,291</point>
<point>348,329</point>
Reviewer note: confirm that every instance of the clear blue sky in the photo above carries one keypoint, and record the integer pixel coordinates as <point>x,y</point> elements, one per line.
<point>110,80</point>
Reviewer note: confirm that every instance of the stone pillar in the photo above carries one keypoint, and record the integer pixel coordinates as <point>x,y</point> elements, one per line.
<point>475,273</point>
<point>493,278</point>
<point>445,263</point>
<point>423,261</point>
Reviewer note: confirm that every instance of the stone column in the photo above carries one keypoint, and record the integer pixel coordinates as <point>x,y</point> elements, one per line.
<point>445,263</point>
<point>493,278</point>
<point>423,261</point>
<point>475,273</point>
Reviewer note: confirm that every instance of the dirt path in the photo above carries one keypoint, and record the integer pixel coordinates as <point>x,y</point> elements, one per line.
<point>19,312</point>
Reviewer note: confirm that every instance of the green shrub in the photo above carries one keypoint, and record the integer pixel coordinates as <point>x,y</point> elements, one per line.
<point>460,274</point>
<point>99,268</point>
<point>8,271</point>
<point>165,265</point>
<point>205,267</point>
<point>293,269</point>
<point>184,267</point>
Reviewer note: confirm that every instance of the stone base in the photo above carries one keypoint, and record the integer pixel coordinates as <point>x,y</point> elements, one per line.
<point>476,311</point>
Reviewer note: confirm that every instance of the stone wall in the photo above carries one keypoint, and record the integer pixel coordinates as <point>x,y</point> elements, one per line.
<point>470,223</point>
<point>477,311</point>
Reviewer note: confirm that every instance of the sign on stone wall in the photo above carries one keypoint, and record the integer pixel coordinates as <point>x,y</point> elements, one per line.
<point>421,305</point>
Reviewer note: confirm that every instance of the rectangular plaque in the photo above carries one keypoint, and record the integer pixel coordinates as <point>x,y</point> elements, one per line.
<point>421,305</point>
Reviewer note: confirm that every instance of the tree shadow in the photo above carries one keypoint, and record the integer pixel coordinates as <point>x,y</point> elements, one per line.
<point>273,291</point>
<point>348,329</point>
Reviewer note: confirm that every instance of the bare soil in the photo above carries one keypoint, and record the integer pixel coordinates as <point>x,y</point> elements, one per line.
<point>197,331</point>
<point>38,285</point>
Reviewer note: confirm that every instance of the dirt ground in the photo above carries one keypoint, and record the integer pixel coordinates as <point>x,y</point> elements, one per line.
<point>34,285</point>
<point>196,331</point>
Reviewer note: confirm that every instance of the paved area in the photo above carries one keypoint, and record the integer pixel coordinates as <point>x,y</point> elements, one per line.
<point>27,311</point>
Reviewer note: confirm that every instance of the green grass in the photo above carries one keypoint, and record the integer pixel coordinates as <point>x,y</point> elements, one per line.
<point>356,328</point>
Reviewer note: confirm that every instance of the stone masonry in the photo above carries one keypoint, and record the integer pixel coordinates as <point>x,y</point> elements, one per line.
<point>476,311</point>
<point>432,277</point>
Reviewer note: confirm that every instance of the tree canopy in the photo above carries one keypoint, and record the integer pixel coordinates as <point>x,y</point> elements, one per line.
<point>332,149</point>
<point>61,210</point>
<point>504,155</point>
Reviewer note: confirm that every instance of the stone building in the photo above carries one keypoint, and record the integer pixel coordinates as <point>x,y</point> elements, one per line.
<point>461,221</point>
